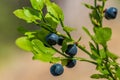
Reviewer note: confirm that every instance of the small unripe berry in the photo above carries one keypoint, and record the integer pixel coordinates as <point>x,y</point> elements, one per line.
<point>56,69</point>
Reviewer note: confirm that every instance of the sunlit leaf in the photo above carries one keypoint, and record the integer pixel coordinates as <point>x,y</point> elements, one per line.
<point>37,4</point>
<point>54,10</point>
<point>41,52</point>
<point>24,43</point>
<point>103,35</point>
<point>68,29</point>
<point>28,14</point>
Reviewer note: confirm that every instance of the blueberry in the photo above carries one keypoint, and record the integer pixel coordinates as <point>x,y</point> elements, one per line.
<point>56,69</point>
<point>60,40</point>
<point>71,50</point>
<point>52,39</point>
<point>71,63</point>
<point>111,13</point>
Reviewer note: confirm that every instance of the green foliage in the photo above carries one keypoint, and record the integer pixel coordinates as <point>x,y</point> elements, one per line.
<point>112,55</point>
<point>98,76</point>
<point>89,6</point>
<point>118,72</point>
<point>103,35</point>
<point>54,10</point>
<point>35,41</point>
<point>51,21</point>
<point>24,43</point>
<point>37,4</point>
<point>41,52</point>
<point>28,14</point>
<point>41,34</point>
<point>94,52</point>
<point>68,29</point>
<point>30,35</point>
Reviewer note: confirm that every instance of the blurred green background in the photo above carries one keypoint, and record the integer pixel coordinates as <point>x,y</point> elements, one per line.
<point>10,54</point>
<point>8,28</point>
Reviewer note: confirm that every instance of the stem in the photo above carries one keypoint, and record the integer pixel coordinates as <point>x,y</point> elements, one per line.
<point>86,60</point>
<point>62,24</point>
<point>60,52</point>
<point>43,18</point>
<point>38,24</point>
<point>95,3</point>
<point>83,49</point>
<point>57,51</point>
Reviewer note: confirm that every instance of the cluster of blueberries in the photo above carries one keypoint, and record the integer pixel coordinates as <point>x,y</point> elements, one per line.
<point>53,39</point>
<point>57,69</point>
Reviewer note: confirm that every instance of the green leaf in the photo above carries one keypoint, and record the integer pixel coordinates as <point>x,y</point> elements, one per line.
<point>95,22</point>
<point>64,46</point>
<point>95,17</point>
<point>98,76</point>
<point>54,10</point>
<point>103,35</point>
<point>37,4</point>
<point>51,21</point>
<point>87,31</point>
<point>118,72</point>
<point>103,54</point>
<point>112,55</point>
<point>101,67</point>
<point>68,29</point>
<point>28,14</point>
<point>88,5</point>
<point>94,51</point>
<point>41,34</point>
<point>30,35</point>
<point>41,52</point>
<point>65,43</point>
<point>55,59</point>
<point>24,43</point>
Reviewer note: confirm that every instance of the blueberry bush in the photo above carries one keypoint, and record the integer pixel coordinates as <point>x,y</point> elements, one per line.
<point>41,41</point>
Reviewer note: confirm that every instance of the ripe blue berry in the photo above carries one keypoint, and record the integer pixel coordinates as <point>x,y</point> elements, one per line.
<point>71,50</point>
<point>52,39</point>
<point>60,40</point>
<point>56,69</point>
<point>111,13</point>
<point>71,63</point>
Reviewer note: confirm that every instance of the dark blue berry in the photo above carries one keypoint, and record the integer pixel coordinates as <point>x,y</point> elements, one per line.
<point>111,13</point>
<point>60,40</point>
<point>52,39</point>
<point>56,69</point>
<point>71,50</point>
<point>71,63</point>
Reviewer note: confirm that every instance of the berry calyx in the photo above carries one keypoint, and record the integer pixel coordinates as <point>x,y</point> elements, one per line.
<point>56,69</point>
<point>111,13</point>
<point>52,39</point>
<point>71,50</point>
<point>71,63</point>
